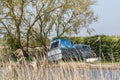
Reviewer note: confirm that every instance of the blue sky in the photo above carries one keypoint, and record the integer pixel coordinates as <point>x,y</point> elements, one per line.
<point>108,12</point>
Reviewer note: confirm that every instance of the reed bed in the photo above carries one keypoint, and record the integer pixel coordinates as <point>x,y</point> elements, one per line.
<point>62,71</point>
<point>41,69</point>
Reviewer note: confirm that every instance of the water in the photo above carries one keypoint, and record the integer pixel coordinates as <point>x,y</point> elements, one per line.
<point>84,74</point>
<point>104,74</point>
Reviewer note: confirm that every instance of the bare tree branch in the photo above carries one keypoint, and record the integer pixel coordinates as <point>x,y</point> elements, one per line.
<point>6,28</point>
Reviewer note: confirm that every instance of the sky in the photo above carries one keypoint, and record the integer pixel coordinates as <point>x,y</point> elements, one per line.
<point>108,12</point>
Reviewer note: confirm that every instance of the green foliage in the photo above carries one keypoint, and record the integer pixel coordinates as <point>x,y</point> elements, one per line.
<point>11,42</point>
<point>106,47</point>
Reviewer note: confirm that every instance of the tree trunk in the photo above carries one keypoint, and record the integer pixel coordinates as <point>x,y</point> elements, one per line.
<point>19,42</point>
<point>27,44</point>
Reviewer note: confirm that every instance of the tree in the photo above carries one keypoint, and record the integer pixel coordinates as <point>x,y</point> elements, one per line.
<point>39,19</point>
<point>12,20</point>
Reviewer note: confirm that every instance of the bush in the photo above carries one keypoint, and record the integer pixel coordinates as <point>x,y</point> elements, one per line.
<point>106,47</point>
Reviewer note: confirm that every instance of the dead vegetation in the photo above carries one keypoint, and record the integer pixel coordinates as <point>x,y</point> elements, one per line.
<point>40,69</point>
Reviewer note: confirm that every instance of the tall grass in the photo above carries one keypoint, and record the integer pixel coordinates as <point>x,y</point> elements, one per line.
<point>40,69</point>
<point>62,71</point>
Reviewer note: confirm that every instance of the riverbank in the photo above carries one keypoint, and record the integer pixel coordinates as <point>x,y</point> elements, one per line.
<point>83,65</point>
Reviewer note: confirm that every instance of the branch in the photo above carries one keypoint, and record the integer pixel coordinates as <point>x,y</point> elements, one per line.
<point>64,27</point>
<point>20,19</point>
<point>64,30</point>
<point>6,28</point>
<point>6,18</point>
<point>52,10</point>
<point>36,35</point>
<point>10,7</point>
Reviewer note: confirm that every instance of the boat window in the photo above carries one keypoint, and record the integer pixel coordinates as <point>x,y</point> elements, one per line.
<point>54,44</point>
<point>85,48</point>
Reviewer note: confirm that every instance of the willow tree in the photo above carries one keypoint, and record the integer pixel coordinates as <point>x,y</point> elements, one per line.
<point>38,20</point>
